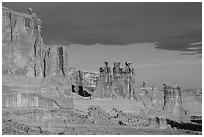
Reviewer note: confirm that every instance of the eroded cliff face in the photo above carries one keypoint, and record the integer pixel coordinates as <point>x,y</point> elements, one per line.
<point>36,73</point>
<point>23,50</point>
<point>21,42</point>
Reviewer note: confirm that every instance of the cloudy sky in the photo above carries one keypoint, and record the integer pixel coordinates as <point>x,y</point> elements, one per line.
<point>162,40</point>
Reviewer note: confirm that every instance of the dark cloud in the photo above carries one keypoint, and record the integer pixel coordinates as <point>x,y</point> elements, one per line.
<point>183,42</point>
<point>174,25</point>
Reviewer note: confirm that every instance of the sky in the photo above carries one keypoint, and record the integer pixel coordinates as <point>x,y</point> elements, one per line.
<point>162,40</point>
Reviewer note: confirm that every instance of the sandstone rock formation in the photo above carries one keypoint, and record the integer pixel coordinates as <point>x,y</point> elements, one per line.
<point>173,103</point>
<point>121,83</point>
<point>45,82</point>
<point>24,53</point>
<point>166,104</point>
<point>26,59</point>
<point>22,43</point>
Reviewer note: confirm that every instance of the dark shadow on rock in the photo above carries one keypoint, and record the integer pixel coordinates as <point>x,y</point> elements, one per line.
<point>73,90</point>
<point>81,91</point>
<point>186,126</point>
<point>197,121</point>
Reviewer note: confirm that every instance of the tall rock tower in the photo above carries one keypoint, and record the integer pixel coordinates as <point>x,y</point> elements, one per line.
<point>21,43</point>
<point>24,53</point>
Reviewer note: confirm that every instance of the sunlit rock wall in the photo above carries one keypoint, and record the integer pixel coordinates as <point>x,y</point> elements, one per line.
<point>21,44</point>
<point>27,100</point>
<point>55,61</point>
<point>24,53</point>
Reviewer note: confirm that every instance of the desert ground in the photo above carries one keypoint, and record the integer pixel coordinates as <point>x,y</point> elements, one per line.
<point>87,116</point>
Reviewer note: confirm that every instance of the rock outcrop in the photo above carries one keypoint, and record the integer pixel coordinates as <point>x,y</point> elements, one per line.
<point>162,105</point>
<point>22,43</point>
<point>36,72</point>
<point>120,83</point>
<point>24,53</point>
